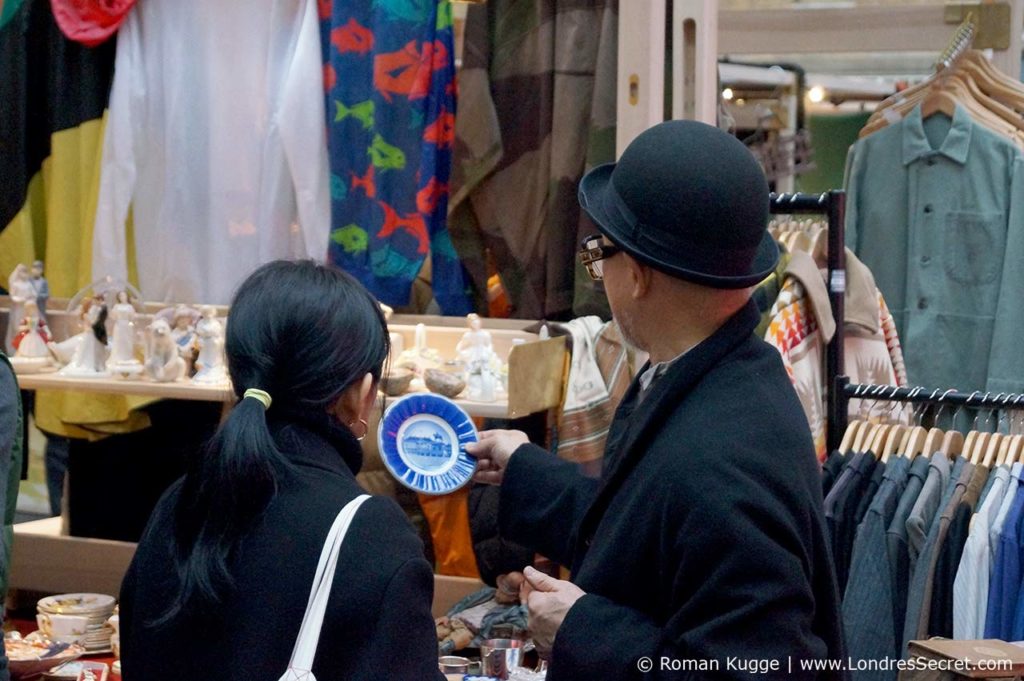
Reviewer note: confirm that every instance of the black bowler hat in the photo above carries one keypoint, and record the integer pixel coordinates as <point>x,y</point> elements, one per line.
<point>689,200</point>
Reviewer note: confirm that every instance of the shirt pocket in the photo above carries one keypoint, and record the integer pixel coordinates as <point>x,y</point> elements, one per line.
<point>973,249</point>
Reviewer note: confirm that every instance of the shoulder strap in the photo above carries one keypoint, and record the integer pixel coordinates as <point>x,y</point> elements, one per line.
<point>309,633</point>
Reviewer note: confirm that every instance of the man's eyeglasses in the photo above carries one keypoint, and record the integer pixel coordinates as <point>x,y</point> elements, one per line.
<point>593,252</point>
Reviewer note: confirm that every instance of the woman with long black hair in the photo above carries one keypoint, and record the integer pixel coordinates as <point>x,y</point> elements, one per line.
<point>222,575</point>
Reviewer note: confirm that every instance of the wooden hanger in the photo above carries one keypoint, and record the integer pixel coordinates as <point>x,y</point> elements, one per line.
<point>866,435</point>
<point>979,448</point>
<point>1015,450</point>
<point>972,435</point>
<point>819,249</point>
<point>875,432</point>
<point>933,443</point>
<point>994,445</point>
<point>892,441</point>
<point>914,442</point>
<point>854,429</point>
<point>901,448</point>
<point>942,93</point>
<point>802,242</point>
<point>861,438</point>
<point>1004,449</point>
<point>994,82</point>
<point>974,92</point>
<point>952,443</point>
<point>939,100</point>
<point>851,433</point>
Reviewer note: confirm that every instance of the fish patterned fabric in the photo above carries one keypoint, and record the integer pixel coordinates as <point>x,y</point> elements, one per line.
<point>389,82</point>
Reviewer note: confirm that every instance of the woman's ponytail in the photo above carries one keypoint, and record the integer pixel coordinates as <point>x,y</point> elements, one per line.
<point>227,485</point>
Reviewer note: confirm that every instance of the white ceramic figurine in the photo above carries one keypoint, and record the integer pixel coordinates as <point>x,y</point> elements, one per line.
<point>210,366</point>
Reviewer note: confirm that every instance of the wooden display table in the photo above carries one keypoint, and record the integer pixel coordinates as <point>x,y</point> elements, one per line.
<point>185,390</point>
<point>45,560</point>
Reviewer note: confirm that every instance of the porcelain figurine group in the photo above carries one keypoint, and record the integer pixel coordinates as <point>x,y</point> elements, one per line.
<point>179,342</point>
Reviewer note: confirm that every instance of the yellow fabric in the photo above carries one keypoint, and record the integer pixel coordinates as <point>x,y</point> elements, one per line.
<point>448,517</point>
<point>56,223</point>
<point>90,416</point>
<point>17,241</point>
<point>56,226</point>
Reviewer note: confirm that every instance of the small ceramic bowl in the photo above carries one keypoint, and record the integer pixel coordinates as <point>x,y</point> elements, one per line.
<point>443,383</point>
<point>396,382</point>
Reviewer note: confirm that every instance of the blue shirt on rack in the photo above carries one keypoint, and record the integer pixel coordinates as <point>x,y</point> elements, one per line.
<point>935,208</point>
<point>1004,589</point>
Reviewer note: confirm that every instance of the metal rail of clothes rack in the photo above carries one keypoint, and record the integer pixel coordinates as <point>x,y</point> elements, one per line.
<point>831,204</point>
<point>978,400</point>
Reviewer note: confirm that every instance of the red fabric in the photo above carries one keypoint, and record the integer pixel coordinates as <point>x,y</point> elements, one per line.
<point>90,22</point>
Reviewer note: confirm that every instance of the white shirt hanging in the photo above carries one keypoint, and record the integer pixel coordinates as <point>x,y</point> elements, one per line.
<point>216,140</point>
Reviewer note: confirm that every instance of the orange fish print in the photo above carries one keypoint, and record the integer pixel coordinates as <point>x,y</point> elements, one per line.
<point>366,182</point>
<point>330,77</point>
<point>352,37</point>
<point>412,223</point>
<point>428,197</point>
<point>408,71</point>
<point>324,8</point>
<point>442,131</point>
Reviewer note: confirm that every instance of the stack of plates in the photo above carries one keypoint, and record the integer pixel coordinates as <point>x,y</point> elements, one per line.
<point>97,608</point>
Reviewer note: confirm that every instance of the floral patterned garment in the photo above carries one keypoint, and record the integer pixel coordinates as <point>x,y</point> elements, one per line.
<point>874,358</point>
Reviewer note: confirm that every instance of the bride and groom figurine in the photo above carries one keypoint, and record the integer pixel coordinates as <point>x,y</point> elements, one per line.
<point>92,353</point>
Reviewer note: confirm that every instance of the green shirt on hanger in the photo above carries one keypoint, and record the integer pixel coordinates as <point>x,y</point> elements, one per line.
<point>936,210</point>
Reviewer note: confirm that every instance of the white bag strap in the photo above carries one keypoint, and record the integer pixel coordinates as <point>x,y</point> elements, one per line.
<point>309,633</point>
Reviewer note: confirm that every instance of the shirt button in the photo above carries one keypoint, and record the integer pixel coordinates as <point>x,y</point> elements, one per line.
<point>925,259</point>
<point>928,208</point>
<point>931,161</point>
<point>922,304</point>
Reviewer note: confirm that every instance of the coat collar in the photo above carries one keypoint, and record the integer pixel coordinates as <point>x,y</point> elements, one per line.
<point>633,428</point>
<point>955,147</point>
<point>318,440</point>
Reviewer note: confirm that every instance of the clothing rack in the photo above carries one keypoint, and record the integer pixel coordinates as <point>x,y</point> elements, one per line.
<point>832,204</point>
<point>978,399</point>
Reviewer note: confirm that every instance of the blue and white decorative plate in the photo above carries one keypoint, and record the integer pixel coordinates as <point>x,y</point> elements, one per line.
<point>422,440</point>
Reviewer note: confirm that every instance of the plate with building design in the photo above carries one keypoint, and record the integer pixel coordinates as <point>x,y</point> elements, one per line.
<point>422,440</point>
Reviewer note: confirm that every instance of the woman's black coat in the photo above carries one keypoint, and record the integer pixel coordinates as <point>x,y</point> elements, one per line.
<point>378,623</point>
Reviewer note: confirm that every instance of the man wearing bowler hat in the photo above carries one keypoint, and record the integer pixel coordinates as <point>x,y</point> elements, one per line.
<point>701,551</point>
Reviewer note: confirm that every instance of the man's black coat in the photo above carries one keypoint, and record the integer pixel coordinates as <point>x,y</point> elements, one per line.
<point>704,540</point>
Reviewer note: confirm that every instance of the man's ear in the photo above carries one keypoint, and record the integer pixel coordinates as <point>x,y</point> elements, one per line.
<point>639,277</point>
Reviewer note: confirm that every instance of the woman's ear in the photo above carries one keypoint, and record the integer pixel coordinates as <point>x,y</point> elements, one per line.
<point>367,396</point>
<point>355,403</point>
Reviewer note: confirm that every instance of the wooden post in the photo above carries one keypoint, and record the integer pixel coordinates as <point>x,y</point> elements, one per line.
<point>643,27</point>
<point>695,60</point>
